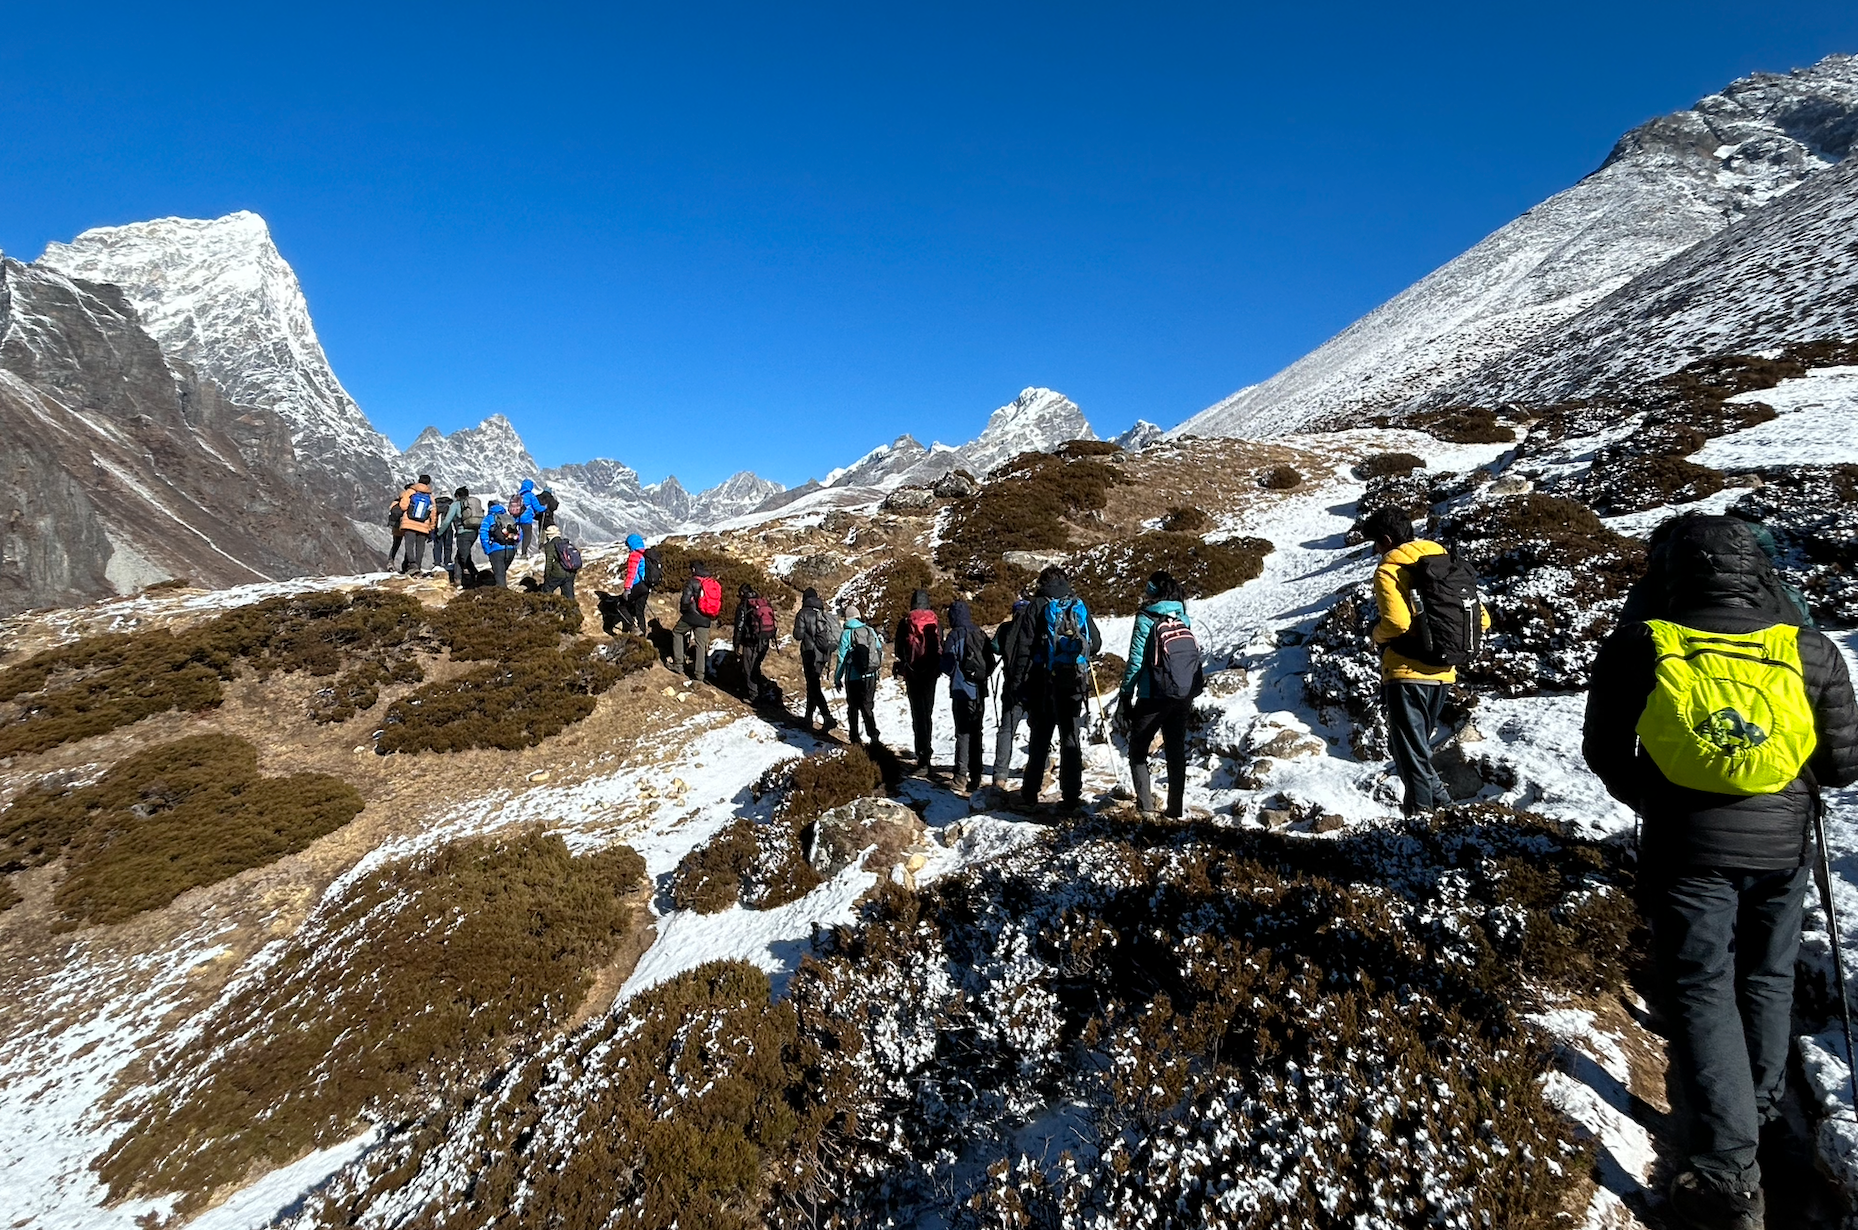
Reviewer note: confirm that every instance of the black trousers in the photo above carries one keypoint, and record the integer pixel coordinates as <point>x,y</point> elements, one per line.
<point>632,609</point>
<point>922,714</point>
<point>563,585</point>
<point>500,567</point>
<point>413,557</point>
<point>1010,718</point>
<point>751,652</point>
<point>462,569</point>
<point>442,550</point>
<point>1412,717</point>
<point>815,692</point>
<point>1065,718</point>
<point>1724,942</point>
<point>1168,718</point>
<point>399,541</point>
<point>970,719</point>
<point>860,701</point>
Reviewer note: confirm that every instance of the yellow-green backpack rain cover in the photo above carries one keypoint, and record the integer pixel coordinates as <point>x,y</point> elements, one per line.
<point>1728,712</point>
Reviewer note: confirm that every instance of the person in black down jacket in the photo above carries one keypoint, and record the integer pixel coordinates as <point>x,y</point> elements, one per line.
<point>1049,678</point>
<point>1723,875</point>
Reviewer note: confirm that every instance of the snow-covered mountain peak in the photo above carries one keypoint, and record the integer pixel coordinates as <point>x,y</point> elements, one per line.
<point>1668,184</point>
<point>217,294</point>
<point>1037,419</point>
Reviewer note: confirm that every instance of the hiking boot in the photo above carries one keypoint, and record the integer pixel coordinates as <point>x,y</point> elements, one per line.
<point>829,725</point>
<point>1703,1205</point>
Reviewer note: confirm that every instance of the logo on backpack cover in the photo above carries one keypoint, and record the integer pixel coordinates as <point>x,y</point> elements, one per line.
<point>1728,714</point>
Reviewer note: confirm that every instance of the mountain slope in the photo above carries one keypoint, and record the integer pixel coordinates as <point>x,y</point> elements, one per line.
<point>126,469</point>
<point>1038,420</point>
<point>1667,185</point>
<point>1787,273</point>
<point>217,295</point>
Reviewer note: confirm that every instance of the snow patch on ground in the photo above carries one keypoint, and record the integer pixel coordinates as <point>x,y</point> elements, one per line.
<point>1816,412</point>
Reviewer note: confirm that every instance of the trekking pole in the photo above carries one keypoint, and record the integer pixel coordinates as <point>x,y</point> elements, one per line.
<point>1838,952</point>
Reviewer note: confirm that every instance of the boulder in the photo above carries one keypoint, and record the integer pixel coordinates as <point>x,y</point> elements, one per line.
<point>909,500</point>
<point>839,836</point>
<point>957,485</point>
<point>1229,682</point>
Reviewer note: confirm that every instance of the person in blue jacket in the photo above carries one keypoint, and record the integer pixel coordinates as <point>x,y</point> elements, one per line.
<point>497,553</point>
<point>1144,709</point>
<point>528,508</point>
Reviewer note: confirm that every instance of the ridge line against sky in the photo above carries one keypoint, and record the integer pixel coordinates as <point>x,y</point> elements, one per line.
<point>707,241</point>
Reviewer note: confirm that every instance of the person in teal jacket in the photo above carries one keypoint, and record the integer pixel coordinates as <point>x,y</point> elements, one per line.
<point>861,653</point>
<point>1148,713</point>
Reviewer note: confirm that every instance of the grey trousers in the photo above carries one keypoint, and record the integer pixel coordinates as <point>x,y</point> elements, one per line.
<point>1725,942</point>
<point>1412,717</point>
<point>1010,718</point>
<point>702,638</point>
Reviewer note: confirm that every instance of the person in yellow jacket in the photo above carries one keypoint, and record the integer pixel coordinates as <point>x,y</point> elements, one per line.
<point>1412,691</point>
<point>417,517</point>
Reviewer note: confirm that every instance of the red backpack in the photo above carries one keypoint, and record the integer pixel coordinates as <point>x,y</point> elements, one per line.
<point>709,597</point>
<point>921,624</point>
<point>761,618</point>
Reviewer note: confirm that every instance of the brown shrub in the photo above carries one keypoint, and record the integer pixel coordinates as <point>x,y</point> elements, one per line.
<point>1463,425</point>
<point>490,623</point>
<point>1028,504</point>
<point>515,703</point>
<point>708,879</point>
<point>1186,520</point>
<point>101,683</point>
<point>825,780</point>
<point>9,896</point>
<point>168,819</point>
<point>359,688</point>
<point>406,985</point>
<point>1110,578</point>
<point>1281,478</point>
<point>1384,465</point>
<point>883,593</point>
<point>1621,482</point>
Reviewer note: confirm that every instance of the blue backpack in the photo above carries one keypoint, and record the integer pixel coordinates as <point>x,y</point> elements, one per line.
<point>419,508</point>
<point>1065,653</point>
<point>963,664</point>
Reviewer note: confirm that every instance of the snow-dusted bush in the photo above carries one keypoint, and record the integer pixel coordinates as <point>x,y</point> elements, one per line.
<point>1110,578</point>
<point>1813,511</point>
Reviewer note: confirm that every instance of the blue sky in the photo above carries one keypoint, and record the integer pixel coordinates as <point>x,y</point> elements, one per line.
<point>720,237</point>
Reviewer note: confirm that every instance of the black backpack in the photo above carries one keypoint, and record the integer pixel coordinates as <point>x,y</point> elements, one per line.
<point>1448,616</point>
<point>654,570</point>
<point>441,505</point>
<point>1173,660</point>
<point>550,506</point>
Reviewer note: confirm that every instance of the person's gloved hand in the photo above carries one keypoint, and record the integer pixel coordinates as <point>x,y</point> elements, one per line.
<point>1121,721</point>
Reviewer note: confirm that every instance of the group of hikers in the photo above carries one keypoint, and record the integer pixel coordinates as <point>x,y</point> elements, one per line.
<point>1717,713</point>
<point>1041,653</point>
<point>457,525</point>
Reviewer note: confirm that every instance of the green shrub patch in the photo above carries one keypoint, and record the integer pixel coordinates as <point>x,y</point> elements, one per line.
<point>1087,448</point>
<point>1110,578</point>
<point>731,572</point>
<point>100,683</point>
<point>1463,425</point>
<point>515,703</point>
<point>490,623</point>
<point>405,986</point>
<point>1384,465</point>
<point>174,817</point>
<point>818,783</point>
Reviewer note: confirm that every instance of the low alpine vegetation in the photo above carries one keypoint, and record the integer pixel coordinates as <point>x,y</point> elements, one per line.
<point>1384,465</point>
<point>1281,478</point>
<point>100,683</point>
<point>402,989</point>
<point>1031,503</point>
<point>177,816</point>
<point>1110,578</point>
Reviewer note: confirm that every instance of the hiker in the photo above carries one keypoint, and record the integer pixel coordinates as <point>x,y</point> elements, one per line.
<point>1647,593</point>
<point>441,533</point>
<point>755,630</point>
<point>498,536</point>
<point>632,588</point>
<point>467,517</point>
<point>1012,713</point>
<point>562,562</point>
<point>861,657</point>
<point>918,663</point>
<point>1163,675</point>
<point>525,508</point>
<point>416,520</point>
<point>545,516</point>
<point>396,513</point>
<point>699,606</point>
<point>817,634</point>
<point>1725,803</point>
<point>1053,642</point>
<point>1420,648</point>
<point>968,661</point>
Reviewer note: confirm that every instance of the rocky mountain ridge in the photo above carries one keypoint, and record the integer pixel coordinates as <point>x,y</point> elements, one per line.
<point>1668,186</point>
